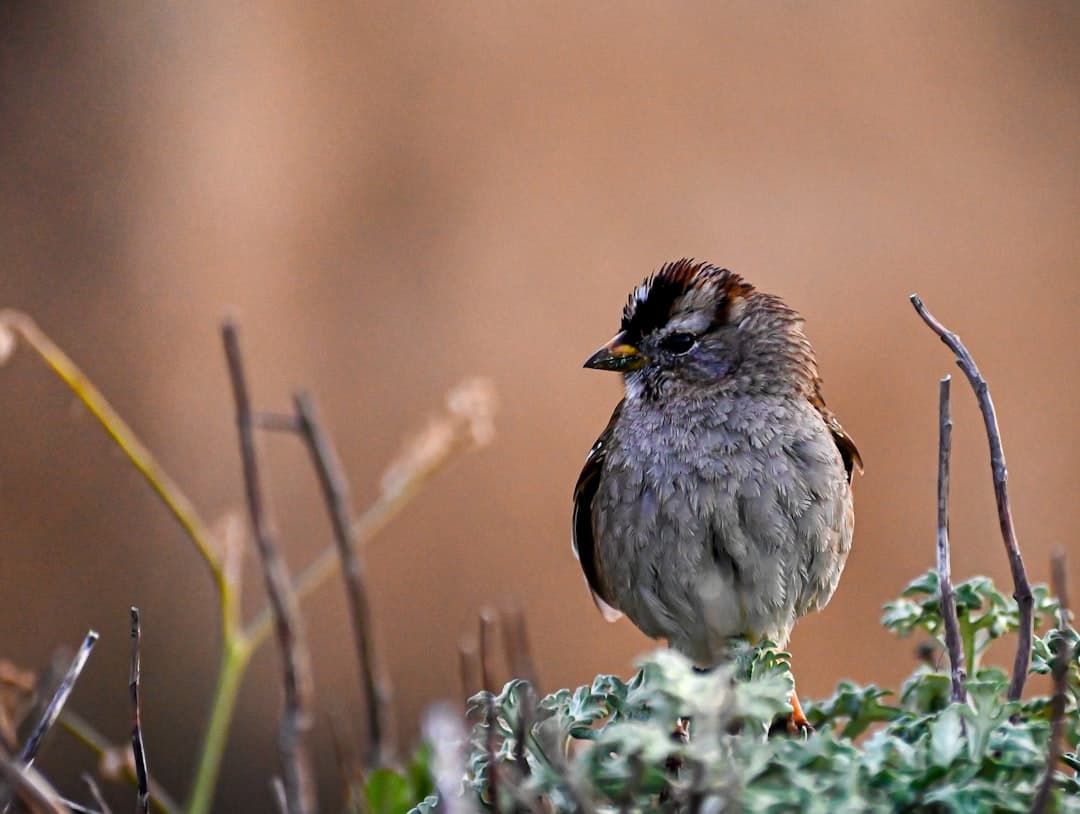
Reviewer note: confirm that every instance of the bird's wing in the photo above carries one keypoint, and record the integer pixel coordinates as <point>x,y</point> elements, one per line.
<point>584,537</point>
<point>848,451</point>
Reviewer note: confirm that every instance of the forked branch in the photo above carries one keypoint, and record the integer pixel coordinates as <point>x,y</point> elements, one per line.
<point>296,718</point>
<point>1021,587</point>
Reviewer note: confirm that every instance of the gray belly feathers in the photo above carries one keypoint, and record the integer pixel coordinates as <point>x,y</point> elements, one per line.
<point>695,523</point>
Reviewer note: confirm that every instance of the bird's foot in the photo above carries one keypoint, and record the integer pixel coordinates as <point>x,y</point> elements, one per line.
<point>797,724</point>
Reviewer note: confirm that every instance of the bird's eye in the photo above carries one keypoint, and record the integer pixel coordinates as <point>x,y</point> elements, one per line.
<point>678,342</point>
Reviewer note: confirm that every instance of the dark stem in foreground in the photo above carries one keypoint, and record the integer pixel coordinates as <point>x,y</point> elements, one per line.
<point>142,773</point>
<point>31,787</point>
<point>60,697</point>
<point>296,661</point>
<point>335,488</point>
<point>493,762</point>
<point>1063,654</point>
<point>1021,587</point>
<point>944,567</point>
<point>516,645</point>
<point>95,792</point>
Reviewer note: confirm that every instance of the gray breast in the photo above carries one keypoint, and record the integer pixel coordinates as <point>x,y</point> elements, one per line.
<point>729,521</point>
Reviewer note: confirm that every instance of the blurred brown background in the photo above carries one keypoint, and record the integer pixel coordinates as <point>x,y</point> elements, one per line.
<point>391,197</point>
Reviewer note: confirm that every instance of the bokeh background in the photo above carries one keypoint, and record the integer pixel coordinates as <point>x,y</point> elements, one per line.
<point>391,197</point>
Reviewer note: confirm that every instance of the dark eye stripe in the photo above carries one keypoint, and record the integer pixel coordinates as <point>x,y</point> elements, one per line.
<point>678,342</point>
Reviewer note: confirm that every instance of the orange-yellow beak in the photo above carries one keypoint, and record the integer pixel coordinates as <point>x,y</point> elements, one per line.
<point>618,354</point>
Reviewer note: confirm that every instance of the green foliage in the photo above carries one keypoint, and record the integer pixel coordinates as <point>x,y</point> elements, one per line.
<point>614,745</point>
<point>984,613</point>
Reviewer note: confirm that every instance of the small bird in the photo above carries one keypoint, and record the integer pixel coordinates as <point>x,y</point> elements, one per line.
<point>717,501</point>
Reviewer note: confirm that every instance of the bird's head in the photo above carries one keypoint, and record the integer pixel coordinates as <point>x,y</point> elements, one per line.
<point>693,328</point>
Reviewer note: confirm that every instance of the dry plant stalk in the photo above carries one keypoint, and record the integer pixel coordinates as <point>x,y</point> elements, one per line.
<point>466,424</point>
<point>1063,655</point>
<point>95,792</point>
<point>944,566</point>
<point>336,495</point>
<point>31,787</point>
<point>517,647</point>
<point>138,751</point>
<point>56,704</point>
<point>1021,587</point>
<point>296,662</point>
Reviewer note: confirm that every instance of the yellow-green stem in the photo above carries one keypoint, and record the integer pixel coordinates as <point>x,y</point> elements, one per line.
<point>235,654</point>
<point>141,457</point>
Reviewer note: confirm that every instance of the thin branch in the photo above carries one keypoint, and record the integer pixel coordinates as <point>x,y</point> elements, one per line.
<point>30,785</point>
<point>77,808</point>
<point>335,489</point>
<point>1063,654</point>
<point>466,424</point>
<point>944,567</point>
<point>492,755</point>
<point>56,705</point>
<point>138,751</point>
<point>137,453</point>
<point>516,645</point>
<point>277,789</point>
<point>1021,587</point>
<point>16,324</point>
<point>521,732</point>
<point>115,763</point>
<point>95,792</point>
<point>296,717</point>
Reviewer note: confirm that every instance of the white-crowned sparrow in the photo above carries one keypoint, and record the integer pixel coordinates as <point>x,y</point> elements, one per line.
<point>717,501</point>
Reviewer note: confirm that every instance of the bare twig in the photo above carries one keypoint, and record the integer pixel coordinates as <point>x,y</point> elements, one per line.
<point>516,644</point>
<point>336,493</point>
<point>521,732</point>
<point>492,756</point>
<point>296,717</point>
<point>1021,587</point>
<point>164,486</point>
<point>138,752</point>
<point>116,764</point>
<point>56,705</point>
<point>95,792</point>
<point>468,423</point>
<point>77,808</point>
<point>30,785</point>
<point>944,567</point>
<point>1063,654</point>
<point>489,620</point>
